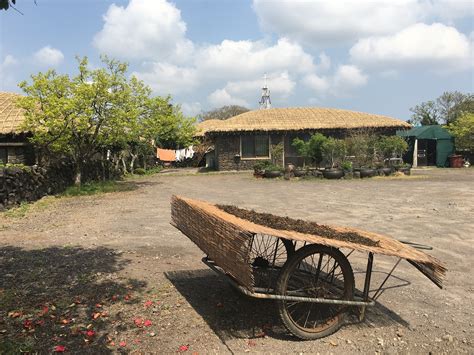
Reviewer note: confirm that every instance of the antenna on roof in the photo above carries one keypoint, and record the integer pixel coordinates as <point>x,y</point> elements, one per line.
<point>265,101</point>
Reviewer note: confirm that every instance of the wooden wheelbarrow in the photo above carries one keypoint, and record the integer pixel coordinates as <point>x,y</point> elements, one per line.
<point>300,264</point>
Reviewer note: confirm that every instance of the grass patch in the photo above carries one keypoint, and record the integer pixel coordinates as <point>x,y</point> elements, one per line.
<point>95,188</point>
<point>26,207</point>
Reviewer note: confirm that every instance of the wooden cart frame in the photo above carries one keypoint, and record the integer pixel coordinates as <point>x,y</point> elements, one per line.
<point>308,275</point>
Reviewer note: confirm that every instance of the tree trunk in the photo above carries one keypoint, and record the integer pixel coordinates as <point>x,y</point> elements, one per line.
<point>132,162</point>
<point>78,175</point>
<point>124,164</point>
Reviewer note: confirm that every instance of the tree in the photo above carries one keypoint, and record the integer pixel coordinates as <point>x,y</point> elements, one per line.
<point>223,113</point>
<point>445,109</point>
<point>463,131</point>
<point>426,113</point>
<point>5,4</point>
<point>448,105</point>
<point>333,151</point>
<point>391,146</point>
<point>79,117</point>
<point>312,149</point>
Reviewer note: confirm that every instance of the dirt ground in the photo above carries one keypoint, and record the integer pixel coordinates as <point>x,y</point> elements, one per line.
<point>109,274</point>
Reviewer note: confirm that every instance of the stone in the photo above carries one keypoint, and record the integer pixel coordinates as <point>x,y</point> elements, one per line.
<point>448,337</point>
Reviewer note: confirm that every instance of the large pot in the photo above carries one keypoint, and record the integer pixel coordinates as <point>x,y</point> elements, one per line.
<point>272,174</point>
<point>367,172</point>
<point>406,171</point>
<point>385,171</point>
<point>333,173</point>
<point>299,172</point>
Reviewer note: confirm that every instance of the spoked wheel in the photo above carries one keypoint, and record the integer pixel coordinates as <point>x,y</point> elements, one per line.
<point>267,257</point>
<point>315,271</point>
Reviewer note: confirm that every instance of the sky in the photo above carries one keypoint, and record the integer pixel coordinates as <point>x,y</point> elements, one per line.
<point>376,56</point>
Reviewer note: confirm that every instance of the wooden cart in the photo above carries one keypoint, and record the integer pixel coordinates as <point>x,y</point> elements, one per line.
<point>307,274</point>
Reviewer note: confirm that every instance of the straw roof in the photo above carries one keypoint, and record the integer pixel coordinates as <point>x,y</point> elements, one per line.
<point>302,118</point>
<point>11,116</point>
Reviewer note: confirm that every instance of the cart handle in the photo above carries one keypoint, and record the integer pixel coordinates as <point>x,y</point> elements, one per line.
<point>416,245</point>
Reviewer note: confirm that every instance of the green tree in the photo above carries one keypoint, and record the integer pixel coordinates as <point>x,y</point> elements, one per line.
<point>391,146</point>
<point>79,117</point>
<point>333,151</point>
<point>463,131</point>
<point>5,4</point>
<point>223,113</point>
<point>312,149</point>
<point>426,113</point>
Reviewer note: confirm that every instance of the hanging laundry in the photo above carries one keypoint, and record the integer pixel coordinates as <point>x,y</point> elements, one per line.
<point>180,154</point>
<point>189,152</point>
<point>165,154</point>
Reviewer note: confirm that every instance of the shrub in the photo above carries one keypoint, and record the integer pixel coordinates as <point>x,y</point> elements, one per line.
<point>261,165</point>
<point>391,146</point>
<point>333,151</point>
<point>311,149</point>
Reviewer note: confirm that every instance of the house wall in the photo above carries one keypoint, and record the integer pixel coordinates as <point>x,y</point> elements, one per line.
<point>227,147</point>
<point>15,149</point>
<point>228,153</point>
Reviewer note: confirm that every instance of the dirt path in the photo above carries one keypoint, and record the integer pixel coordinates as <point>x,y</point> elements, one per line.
<point>116,255</point>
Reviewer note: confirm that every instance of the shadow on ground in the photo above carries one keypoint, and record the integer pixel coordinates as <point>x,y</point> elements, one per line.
<point>230,314</point>
<point>54,296</point>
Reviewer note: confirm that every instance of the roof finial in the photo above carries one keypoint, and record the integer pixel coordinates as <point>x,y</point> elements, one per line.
<point>265,101</point>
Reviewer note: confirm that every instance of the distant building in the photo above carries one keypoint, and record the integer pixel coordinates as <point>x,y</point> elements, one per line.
<point>14,145</point>
<point>243,140</point>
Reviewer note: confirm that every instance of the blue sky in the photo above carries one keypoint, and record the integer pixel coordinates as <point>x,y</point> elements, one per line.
<point>378,56</point>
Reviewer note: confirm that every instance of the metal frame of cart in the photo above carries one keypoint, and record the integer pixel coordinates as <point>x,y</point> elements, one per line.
<point>308,276</point>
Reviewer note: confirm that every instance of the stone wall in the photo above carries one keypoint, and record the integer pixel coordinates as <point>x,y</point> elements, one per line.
<point>26,184</point>
<point>228,153</point>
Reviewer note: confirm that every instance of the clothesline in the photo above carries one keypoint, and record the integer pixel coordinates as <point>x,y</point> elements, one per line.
<point>170,155</point>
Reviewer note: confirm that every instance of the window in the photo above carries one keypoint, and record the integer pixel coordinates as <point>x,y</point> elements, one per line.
<point>255,146</point>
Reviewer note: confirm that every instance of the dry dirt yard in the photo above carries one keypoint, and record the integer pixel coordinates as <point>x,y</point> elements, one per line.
<point>109,274</point>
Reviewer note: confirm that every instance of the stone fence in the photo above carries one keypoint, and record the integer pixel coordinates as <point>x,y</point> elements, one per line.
<point>26,184</point>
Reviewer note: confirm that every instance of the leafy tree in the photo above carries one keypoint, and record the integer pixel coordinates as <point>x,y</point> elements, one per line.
<point>312,149</point>
<point>463,131</point>
<point>445,109</point>
<point>223,113</point>
<point>391,146</point>
<point>333,151</point>
<point>361,145</point>
<point>79,117</point>
<point>426,113</point>
<point>5,4</point>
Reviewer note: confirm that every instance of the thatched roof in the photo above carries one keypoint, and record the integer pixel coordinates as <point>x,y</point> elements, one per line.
<point>11,117</point>
<point>296,119</point>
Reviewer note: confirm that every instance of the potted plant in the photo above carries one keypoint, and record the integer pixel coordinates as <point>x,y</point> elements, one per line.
<point>333,151</point>
<point>259,168</point>
<point>273,171</point>
<point>388,147</point>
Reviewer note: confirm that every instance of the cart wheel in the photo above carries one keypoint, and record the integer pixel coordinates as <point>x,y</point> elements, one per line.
<point>267,257</point>
<point>315,271</point>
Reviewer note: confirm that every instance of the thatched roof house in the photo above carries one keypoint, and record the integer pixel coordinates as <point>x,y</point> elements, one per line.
<point>14,146</point>
<point>243,139</point>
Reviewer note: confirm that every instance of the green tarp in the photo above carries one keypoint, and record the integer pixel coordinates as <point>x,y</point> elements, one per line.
<point>444,141</point>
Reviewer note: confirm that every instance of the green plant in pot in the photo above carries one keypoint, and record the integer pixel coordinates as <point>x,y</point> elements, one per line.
<point>310,150</point>
<point>272,171</point>
<point>334,151</point>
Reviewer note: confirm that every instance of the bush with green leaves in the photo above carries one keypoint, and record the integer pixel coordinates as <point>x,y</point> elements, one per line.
<point>312,149</point>
<point>361,145</point>
<point>463,131</point>
<point>261,166</point>
<point>333,151</point>
<point>391,146</point>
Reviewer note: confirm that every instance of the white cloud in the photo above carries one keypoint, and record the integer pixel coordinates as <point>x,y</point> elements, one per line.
<point>450,9</point>
<point>191,109</point>
<point>221,97</point>
<point>319,84</point>
<point>439,45</point>
<point>234,59</point>
<point>165,78</point>
<point>345,79</point>
<point>145,29</point>
<point>7,66</point>
<point>329,22</point>
<point>48,56</point>
<point>348,77</point>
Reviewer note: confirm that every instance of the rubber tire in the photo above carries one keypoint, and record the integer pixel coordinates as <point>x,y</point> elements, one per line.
<point>283,280</point>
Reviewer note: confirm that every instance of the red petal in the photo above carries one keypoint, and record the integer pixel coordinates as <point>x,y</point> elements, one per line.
<point>138,322</point>
<point>123,344</point>
<point>148,303</point>
<point>59,349</point>
<point>147,323</point>
<point>90,333</point>
<point>183,348</point>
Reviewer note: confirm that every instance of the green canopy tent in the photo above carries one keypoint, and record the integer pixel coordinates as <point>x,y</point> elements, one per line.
<point>430,144</point>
